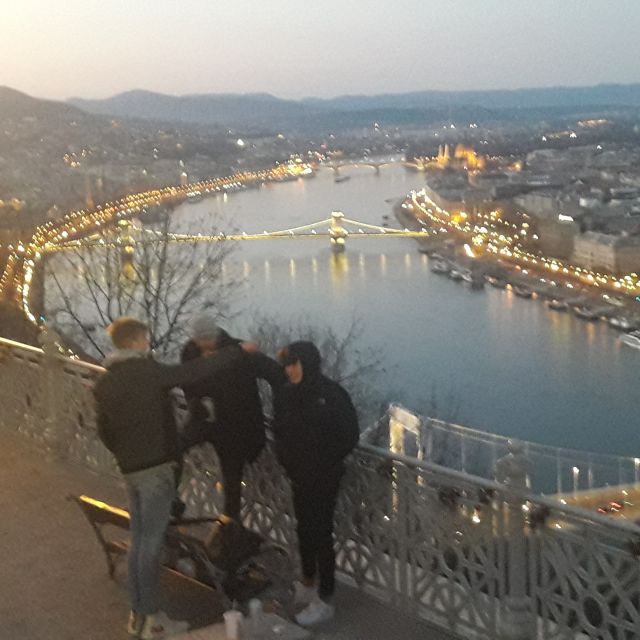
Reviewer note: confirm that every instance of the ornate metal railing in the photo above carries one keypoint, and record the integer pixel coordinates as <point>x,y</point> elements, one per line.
<point>480,558</point>
<point>551,470</point>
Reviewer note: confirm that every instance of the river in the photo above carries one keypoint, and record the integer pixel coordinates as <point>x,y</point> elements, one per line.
<point>492,360</point>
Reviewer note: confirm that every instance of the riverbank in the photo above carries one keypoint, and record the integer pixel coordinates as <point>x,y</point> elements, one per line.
<point>588,302</point>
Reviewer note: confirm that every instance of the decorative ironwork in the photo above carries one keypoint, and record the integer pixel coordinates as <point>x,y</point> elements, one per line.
<point>469,554</point>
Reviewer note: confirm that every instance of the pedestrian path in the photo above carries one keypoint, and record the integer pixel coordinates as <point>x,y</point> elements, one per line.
<point>55,583</point>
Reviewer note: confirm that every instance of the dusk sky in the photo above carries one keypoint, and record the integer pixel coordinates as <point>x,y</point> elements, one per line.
<point>92,48</point>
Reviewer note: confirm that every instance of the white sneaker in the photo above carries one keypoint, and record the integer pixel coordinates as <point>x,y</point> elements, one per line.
<point>303,594</point>
<point>160,625</point>
<point>316,612</point>
<point>134,625</point>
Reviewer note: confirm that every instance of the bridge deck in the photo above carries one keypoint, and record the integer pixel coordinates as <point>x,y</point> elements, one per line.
<point>55,583</point>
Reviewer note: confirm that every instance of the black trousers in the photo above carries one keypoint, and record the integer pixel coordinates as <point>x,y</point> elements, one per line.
<point>232,466</point>
<point>314,506</point>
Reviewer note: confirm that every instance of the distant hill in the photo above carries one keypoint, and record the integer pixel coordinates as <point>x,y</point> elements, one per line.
<point>423,107</point>
<point>221,109</point>
<point>15,104</point>
<point>548,97</point>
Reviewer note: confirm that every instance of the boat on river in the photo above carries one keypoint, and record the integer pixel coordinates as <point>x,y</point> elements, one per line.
<point>584,313</point>
<point>441,267</point>
<point>497,283</point>
<point>456,274</point>
<point>557,305</point>
<point>631,339</point>
<point>340,179</point>
<point>522,292</point>
<point>623,323</point>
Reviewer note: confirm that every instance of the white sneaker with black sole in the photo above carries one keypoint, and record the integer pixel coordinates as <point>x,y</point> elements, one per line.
<point>316,612</point>
<point>160,625</point>
<point>303,594</point>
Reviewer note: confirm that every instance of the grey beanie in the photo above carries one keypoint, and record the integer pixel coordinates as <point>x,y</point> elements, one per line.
<point>205,327</point>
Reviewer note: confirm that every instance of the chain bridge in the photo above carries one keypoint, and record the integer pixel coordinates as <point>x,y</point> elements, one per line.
<point>336,229</point>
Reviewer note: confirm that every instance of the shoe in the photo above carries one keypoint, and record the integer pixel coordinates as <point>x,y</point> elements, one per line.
<point>303,594</point>
<point>160,625</point>
<point>134,626</point>
<point>316,612</point>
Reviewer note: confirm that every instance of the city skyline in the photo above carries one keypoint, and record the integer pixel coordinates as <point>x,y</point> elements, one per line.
<point>90,50</point>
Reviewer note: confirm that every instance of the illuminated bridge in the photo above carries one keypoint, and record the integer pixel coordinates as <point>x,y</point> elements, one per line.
<point>375,165</point>
<point>336,229</point>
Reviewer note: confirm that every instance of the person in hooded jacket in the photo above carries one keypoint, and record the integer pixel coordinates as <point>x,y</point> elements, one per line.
<point>226,410</point>
<point>315,428</point>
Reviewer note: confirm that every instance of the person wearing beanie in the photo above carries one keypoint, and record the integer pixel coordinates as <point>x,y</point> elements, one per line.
<point>315,428</point>
<point>226,410</point>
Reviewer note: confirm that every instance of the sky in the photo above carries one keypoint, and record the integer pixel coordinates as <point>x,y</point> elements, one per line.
<point>293,49</point>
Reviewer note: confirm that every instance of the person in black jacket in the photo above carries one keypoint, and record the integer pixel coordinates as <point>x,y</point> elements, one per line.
<point>226,410</point>
<point>135,421</point>
<point>315,428</point>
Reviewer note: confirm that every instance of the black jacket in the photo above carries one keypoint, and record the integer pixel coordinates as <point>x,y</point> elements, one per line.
<point>237,427</point>
<point>134,409</point>
<point>315,428</point>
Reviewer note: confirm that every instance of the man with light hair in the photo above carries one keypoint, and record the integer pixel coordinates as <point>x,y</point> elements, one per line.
<point>136,423</point>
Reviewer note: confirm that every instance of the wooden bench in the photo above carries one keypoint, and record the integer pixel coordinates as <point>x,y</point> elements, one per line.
<point>185,551</point>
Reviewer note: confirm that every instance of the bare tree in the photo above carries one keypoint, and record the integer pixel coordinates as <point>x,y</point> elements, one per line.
<point>145,273</point>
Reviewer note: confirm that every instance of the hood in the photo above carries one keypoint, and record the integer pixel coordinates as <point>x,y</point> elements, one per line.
<point>307,353</point>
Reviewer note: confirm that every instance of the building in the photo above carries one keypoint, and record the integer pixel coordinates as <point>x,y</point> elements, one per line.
<point>618,254</point>
<point>555,218</point>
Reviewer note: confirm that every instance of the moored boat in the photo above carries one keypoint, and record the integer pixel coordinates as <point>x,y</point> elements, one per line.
<point>631,339</point>
<point>455,274</point>
<point>557,305</point>
<point>622,323</point>
<point>585,313</point>
<point>498,283</point>
<point>440,266</point>
<point>522,291</point>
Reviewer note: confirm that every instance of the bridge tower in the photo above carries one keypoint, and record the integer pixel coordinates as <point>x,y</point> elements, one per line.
<point>127,243</point>
<point>337,233</point>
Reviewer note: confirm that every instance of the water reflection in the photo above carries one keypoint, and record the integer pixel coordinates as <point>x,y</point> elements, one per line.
<point>339,268</point>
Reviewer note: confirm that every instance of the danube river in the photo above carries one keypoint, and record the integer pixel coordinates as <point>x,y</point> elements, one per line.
<point>498,362</point>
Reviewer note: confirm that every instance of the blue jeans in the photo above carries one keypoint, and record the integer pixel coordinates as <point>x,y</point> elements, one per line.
<point>151,492</point>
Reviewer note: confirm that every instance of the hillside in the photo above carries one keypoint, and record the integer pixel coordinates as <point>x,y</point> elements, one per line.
<point>424,107</point>
<point>222,109</point>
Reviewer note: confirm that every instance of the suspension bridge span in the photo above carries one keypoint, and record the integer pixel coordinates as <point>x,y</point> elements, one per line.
<point>337,229</point>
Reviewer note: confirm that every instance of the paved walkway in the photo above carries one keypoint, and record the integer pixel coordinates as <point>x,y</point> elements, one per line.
<point>54,581</point>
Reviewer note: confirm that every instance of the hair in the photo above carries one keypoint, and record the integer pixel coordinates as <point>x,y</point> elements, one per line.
<point>124,331</point>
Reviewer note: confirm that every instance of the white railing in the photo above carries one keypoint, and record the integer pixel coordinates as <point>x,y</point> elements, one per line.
<point>551,470</point>
<point>479,558</point>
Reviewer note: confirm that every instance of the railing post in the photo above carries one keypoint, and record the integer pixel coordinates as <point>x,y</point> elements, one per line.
<point>52,368</point>
<point>516,621</point>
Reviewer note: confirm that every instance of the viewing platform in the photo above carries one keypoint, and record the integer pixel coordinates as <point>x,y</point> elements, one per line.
<point>427,547</point>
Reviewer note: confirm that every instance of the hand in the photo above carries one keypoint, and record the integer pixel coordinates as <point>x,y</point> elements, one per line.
<point>250,347</point>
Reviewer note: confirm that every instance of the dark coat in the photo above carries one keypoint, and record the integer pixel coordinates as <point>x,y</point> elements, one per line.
<point>237,424</point>
<point>134,410</point>
<point>315,426</point>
